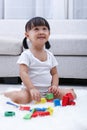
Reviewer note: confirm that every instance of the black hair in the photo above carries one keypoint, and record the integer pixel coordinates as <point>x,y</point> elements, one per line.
<point>36,21</point>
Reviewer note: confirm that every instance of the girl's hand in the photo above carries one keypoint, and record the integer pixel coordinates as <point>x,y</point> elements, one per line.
<point>53,89</point>
<point>35,94</point>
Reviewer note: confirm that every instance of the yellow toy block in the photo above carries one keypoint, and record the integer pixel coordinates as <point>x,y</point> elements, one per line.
<point>50,109</point>
<point>43,100</point>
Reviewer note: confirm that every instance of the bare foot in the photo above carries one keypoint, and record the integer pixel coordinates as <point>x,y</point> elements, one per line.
<point>64,91</point>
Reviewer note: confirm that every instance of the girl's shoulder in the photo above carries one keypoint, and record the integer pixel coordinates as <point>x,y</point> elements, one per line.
<point>26,53</point>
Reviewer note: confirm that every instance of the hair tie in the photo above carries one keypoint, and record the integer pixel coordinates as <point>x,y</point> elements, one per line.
<point>47,45</point>
<point>25,43</point>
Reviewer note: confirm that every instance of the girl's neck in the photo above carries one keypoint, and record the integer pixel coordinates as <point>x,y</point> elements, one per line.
<point>39,53</point>
<point>37,49</point>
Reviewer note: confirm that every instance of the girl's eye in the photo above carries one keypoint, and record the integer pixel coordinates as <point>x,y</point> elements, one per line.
<point>36,29</point>
<point>44,28</point>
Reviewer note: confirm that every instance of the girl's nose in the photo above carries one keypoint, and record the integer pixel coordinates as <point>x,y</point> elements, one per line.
<point>41,31</point>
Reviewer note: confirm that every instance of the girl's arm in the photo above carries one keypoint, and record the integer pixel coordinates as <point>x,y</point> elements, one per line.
<point>35,94</point>
<point>55,77</point>
<point>23,71</point>
<point>55,81</point>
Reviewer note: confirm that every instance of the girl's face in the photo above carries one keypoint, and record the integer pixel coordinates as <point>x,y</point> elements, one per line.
<point>38,35</point>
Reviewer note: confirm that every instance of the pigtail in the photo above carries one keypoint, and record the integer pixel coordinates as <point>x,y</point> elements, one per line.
<point>25,43</point>
<point>47,45</point>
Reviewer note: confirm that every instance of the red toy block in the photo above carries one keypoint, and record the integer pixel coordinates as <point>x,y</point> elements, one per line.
<point>35,114</point>
<point>68,100</point>
<point>47,113</point>
<point>27,108</point>
<point>49,100</point>
<point>65,100</point>
<point>70,96</point>
<point>72,103</point>
<point>44,113</point>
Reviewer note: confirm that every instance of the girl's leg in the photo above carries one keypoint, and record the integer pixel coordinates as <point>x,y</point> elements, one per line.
<point>21,97</point>
<point>64,91</point>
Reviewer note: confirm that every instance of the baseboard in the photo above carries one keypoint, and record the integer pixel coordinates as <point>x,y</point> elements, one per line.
<point>72,81</point>
<point>10,80</point>
<point>62,81</point>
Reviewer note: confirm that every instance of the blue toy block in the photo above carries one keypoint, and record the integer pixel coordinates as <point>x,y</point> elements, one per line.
<point>56,102</point>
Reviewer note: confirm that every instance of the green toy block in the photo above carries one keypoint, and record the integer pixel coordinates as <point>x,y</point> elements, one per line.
<point>28,116</point>
<point>49,96</point>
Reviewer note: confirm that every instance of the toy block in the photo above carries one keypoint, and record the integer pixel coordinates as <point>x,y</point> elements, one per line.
<point>49,97</point>
<point>9,113</point>
<point>68,100</point>
<point>49,100</point>
<point>25,108</point>
<point>43,100</point>
<point>56,102</point>
<point>35,114</point>
<point>40,109</point>
<point>29,115</point>
<point>13,104</point>
<point>44,113</point>
<point>72,103</point>
<point>65,100</point>
<point>47,113</point>
<point>50,109</point>
<point>70,96</point>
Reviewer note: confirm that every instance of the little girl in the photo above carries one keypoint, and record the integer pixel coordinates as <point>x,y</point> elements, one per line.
<point>37,66</point>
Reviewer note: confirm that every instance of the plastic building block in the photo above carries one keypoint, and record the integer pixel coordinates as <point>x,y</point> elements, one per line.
<point>68,100</point>
<point>50,109</point>
<point>72,103</point>
<point>35,114</point>
<point>56,102</point>
<point>46,113</point>
<point>17,106</point>
<point>39,112</point>
<point>27,108</point>
<point>41,109</point>
<point>29,115</point>
<point>9,113</point>
<point>51,100</point>
<point>49,97</point>
<point>13,104</point>
<point>65,100</point>
<point>43,100</point>
<point>70,96</point>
